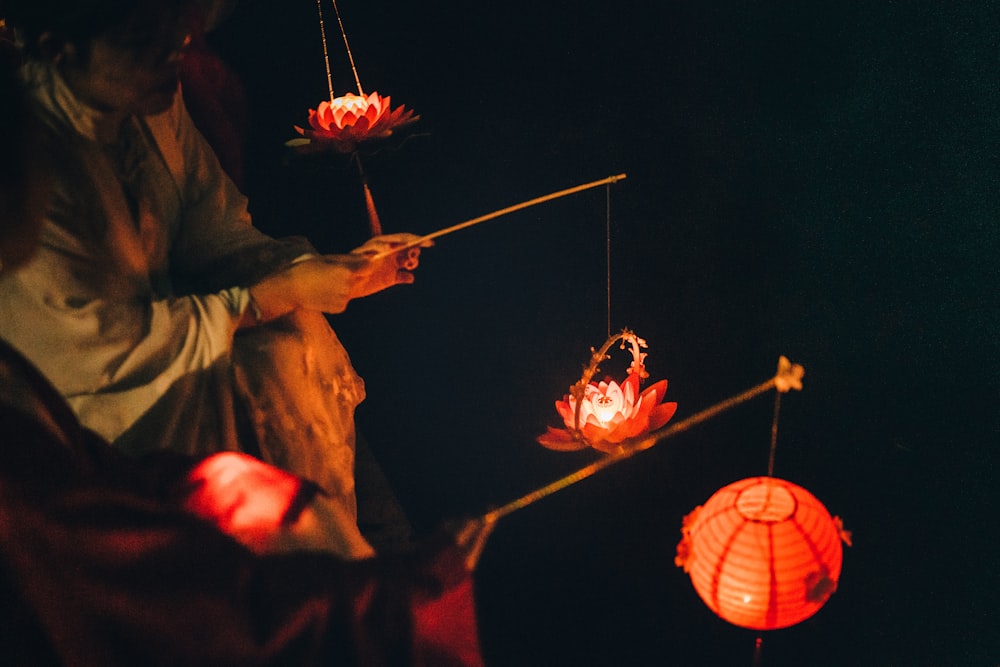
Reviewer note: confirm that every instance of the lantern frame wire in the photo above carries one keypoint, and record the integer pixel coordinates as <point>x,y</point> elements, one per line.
<point>788,377</point>
<point>579,390</point>
<point>326,52</point>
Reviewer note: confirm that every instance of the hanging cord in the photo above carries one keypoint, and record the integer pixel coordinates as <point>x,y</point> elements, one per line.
<point>774,434</point>
<point>326,53</point>
<point>350,56</point>
<point>607,245</point>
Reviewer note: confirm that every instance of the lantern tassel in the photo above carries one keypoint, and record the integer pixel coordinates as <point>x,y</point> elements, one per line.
<point>789,376</point>
<point>757,651</point>
<point>374,224</point>
<point>496,214</point>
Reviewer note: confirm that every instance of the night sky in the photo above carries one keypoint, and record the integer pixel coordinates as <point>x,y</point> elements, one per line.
<point>815,180</point>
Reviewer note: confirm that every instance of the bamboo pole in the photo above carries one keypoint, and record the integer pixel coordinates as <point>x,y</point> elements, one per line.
<point>496,214</point>
<point>788,377</point>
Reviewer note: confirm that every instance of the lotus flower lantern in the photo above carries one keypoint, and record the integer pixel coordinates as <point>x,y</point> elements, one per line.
<point>603,414</point>
<point>349,120</point>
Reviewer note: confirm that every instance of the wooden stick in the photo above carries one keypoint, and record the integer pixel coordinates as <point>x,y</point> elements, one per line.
<point>788,377</point>
<point>497,214</point>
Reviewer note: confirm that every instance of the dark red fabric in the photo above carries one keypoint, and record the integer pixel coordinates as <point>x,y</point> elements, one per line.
<point>99,566</point>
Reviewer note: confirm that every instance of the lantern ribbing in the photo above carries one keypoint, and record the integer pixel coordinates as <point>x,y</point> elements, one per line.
<point>762,553</point>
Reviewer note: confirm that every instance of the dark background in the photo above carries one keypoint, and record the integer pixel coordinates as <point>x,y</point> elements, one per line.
<point>815,180</point>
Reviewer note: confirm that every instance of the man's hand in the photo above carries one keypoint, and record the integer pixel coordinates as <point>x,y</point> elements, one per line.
<point>327,283</point>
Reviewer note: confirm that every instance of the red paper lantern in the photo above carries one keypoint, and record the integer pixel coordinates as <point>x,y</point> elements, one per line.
<point>762,553</point>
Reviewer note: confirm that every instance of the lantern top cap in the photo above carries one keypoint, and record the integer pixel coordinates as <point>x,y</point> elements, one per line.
<point>767,502</point>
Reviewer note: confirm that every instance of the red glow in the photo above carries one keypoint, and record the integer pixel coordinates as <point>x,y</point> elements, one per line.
<point>244,497</point>
<point>347,121</point>
<point>609,414</point>
<point>762,553</point>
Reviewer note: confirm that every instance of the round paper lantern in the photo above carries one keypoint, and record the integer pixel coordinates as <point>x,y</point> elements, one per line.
<point>762,553</point>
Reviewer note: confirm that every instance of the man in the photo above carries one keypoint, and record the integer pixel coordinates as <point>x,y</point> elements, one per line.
<point>111,560</point>
<point>153,305</point>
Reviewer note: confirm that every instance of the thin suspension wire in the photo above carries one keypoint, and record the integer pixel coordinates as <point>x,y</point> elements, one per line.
<point>774,434</point>
<point>350,56</point>
<point>607,245</point>
<point>326,53</point>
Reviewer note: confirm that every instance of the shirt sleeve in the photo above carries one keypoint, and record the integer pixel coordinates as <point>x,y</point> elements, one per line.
<point>98,311</point>
<point>216,243</point>
<point>111,352</point>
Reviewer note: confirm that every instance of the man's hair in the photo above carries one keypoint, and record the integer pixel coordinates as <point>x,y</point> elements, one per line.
<point>80,22</point>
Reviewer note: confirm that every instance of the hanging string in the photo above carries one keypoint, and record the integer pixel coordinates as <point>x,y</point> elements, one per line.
<point>350,56</point>
<point>607,245</point>
<point>774,434</point>
<point>326,53</point>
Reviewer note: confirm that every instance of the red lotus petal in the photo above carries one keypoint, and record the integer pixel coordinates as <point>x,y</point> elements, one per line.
<point>373,113</point>
<point>560,440</point>
<point>633,381</point>
<point>639,423</point>
<point>660,388</point>
<point>354,119</point>
<point>314,121</point>
<point>566,411</point>
<point>594,433</point>
<point>326,116</point>
<point>661,415</point>
<point>401,115</point>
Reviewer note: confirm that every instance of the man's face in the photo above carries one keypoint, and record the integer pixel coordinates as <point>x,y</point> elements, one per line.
<point>135,70</point>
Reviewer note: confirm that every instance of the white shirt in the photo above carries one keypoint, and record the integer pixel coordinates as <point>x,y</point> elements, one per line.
<point>97,309</point>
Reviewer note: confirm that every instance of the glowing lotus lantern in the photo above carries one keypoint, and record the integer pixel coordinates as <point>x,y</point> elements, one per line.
<point>603,414</point>
<point>347,121</point>
<point>762,553</point>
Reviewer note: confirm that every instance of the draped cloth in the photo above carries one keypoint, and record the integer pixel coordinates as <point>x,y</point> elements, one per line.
<point>130,306</point>
<point>101,564</point>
